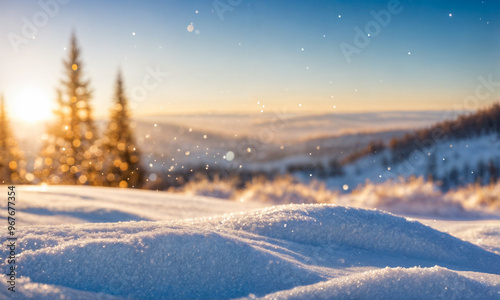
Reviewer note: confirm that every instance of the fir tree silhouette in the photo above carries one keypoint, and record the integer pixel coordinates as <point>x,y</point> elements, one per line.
<point>71,153</point>
<point>123,168</point>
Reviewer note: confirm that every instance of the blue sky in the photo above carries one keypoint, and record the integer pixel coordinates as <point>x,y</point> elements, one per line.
<point>263,55</point>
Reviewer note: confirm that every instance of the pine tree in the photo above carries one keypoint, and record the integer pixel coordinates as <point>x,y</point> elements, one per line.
<point>481,171</point>
<point>454,176</point>
<point>12,164</point>
<point>71,152</point>
<point>492,170</point>
<point>431,166</point>
<point>335,168</point>
<point>123,166</point>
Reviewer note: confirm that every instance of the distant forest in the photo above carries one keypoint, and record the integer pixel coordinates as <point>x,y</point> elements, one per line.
<point>473,125</point>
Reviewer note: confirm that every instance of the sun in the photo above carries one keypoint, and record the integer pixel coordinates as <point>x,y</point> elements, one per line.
<point>29,105</point>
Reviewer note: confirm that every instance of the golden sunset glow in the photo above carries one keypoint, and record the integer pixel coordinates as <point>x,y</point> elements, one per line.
<point>30,105</point>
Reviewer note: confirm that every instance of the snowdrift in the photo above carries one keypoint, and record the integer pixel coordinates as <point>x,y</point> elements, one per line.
<point>412,283</point>
<point>54,205</point>
<point>293,251</point>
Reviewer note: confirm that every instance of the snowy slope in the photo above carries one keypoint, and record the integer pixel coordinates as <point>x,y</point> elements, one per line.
<point>54,205</point>
<point>463,155</point>
<point>231,250</point>
<point>399,283</point>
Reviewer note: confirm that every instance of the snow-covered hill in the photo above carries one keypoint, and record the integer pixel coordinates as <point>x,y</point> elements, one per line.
<point>467,158</point>
<point>218,249</point>
<point>54,205</point>
<point>455,153</point>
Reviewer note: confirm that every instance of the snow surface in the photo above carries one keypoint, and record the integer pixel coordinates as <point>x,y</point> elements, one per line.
<point>208,248</point>
<point>54,205</point>
<point>448,154</point>
<point>409,283</point>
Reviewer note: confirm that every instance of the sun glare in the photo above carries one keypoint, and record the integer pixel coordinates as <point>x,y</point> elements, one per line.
<point>29,105</point>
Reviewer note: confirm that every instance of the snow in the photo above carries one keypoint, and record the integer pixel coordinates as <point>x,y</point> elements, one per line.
<point>234,250</point>
<point>54,205</point>
<point>418,197</point>
<point>413,197</point>
<point>448,155</point>
<point>411,283</point>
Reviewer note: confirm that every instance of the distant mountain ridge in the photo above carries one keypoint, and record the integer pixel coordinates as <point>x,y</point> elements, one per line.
<point>481,123</point>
